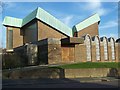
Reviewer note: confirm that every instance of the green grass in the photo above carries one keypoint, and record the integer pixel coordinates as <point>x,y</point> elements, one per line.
<point>89,65</point>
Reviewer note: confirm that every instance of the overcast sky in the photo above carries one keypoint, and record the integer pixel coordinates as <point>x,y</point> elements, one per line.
<point>68,13</point>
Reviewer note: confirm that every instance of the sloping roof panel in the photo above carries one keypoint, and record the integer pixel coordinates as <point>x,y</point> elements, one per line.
<point>87,22</point>
<point>44,16</point>
<point>52,21</point>
<point>29,17</point>
<point>10,21</point>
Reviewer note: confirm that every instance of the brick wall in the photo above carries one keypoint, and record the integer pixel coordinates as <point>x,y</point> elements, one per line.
<point>17,38</point>
<point>42,72</point>
<point>54,53</point>
<point>109,53</point>
<point>93,53</point>
<point>92,30</point>
<point>80,53</point>
<point>117,52</point>
<point>68,53</point>
<point>45,31</point>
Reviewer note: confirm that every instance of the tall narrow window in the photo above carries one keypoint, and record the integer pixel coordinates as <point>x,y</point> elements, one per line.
<point>10,39</point>
<point>88,47</point>
<point>105,48</point>
<point>31,33</point>
<point>112,48</point>
<point>97,48</point>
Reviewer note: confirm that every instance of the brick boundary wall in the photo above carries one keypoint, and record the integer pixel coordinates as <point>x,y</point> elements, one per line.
<point>44,72</point>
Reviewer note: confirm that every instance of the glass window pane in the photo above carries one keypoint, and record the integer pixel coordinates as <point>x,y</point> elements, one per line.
<point>10,39</point>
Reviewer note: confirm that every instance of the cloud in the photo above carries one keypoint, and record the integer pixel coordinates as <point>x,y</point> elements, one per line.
<point>95,7</point>
<point>67,20</point>
<point>109,24</point>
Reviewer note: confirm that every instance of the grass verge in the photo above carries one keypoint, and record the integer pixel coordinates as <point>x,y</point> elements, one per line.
<point>89,65</point>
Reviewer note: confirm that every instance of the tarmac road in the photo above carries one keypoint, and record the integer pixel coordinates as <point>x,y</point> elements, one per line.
<point>62,83</point>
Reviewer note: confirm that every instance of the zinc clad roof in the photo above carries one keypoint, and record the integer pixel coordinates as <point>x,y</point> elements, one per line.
<point>47,18</point>
<point>52,21</point>
<point>29,17</point>
<point>11,21</point>
<point>87,22</point>
<point>42,15</point>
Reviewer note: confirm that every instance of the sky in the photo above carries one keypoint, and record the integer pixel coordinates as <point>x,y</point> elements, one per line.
<point>69,13</point>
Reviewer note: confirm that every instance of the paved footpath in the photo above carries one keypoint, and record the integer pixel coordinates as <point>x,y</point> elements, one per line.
<point>62,83</point>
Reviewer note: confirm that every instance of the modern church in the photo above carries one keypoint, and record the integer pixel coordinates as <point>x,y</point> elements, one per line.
<point>45,39</point>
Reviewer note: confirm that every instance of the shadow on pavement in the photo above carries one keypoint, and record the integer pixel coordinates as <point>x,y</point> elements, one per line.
<point>56,83</point>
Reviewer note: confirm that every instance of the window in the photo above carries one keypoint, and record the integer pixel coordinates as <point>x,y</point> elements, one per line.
<point>97,43</point>
<point>112,48</point>
<point>30,33</point>
<point>88,47</point>
<point>105,48</point>
<point>10,39</point>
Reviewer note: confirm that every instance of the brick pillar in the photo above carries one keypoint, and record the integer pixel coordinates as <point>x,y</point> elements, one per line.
<point>83,53</point>
<point>93,53</point>
<point>77,53</point>
<point>109,53</point>
<point>102,53</point>
<point>117,53</point>
<point>54,51</point>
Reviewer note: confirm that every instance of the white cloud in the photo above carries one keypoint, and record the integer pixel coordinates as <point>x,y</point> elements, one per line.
<point>95,7</point>
<point>109,24</point>
<point>67,20</point>
<point>92,5</point>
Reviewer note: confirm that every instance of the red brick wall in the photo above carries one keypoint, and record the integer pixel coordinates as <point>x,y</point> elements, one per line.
<point>109,53</point>
<point>17,38</point>
<point>68,53</point>
<point>92,30</point>
<point>93,53</point>
<point>45,31</point>
<point>80,53</point>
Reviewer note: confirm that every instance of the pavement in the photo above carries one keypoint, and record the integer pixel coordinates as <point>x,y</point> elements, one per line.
<point>103,82</point>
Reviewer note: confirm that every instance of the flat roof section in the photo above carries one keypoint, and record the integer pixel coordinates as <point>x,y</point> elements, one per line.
<point>72,40</point>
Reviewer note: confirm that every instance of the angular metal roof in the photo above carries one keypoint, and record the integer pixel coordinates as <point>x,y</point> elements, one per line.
<point>52,21</point>
<point>47,18</point>
<point>29,17</point>
<point>87,22</point>
<point>42,15</point>
<point>10,21</point>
